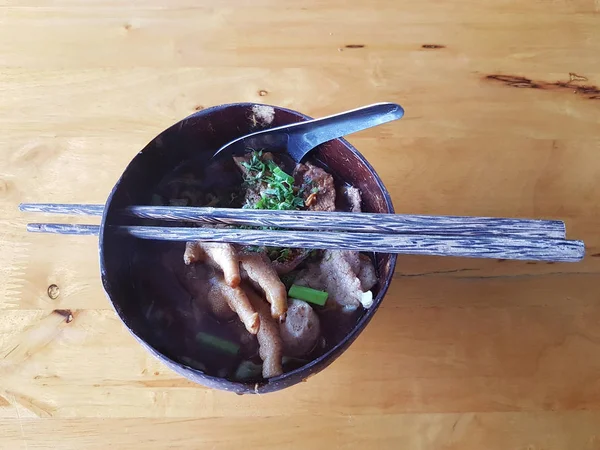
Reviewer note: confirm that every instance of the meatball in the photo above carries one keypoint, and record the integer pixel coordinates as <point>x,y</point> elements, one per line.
<point>301,329</point>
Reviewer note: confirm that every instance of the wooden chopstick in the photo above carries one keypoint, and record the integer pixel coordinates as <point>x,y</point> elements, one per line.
<point>64,228</point>
<point>74,209</point>
<point>500,247</point>
<point>330,221</point>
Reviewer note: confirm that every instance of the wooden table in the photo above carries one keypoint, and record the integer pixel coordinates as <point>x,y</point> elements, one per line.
<point>502,119</point>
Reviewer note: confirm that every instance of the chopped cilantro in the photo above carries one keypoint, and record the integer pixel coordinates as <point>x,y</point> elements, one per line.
<point>284,254</point>
<point>279,254</point>
<point>279,193</point>
<point>256,168</point>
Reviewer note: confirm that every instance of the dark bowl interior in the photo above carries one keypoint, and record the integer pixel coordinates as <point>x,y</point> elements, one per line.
<point>197,137</point>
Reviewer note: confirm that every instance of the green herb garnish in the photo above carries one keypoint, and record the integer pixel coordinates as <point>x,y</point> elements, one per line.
<point>284,254</point>
<point>308,294</point>
<point>279,254</point>
<point>279,193</point>
<point>157,200</point>
<point>218,343</point>
<point>178,202</point>
<point>290,360</point>
<point>193,363</point>
<point>247,370</point>
<point>256,168</point>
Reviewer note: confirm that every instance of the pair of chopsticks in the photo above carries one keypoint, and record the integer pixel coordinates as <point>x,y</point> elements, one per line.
<point>476,237</point>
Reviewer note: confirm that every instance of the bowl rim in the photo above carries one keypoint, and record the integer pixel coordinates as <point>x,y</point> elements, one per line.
<point>287,378</point>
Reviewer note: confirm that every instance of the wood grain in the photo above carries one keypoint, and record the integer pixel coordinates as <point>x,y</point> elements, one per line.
<point>321,220</point>
<point>501,120</point>
<point>491,247</point>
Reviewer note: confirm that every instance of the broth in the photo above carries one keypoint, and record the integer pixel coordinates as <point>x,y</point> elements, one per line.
<point>178,321</point>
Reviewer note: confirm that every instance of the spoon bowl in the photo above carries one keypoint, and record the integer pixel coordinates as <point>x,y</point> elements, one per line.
<point>300,138</point>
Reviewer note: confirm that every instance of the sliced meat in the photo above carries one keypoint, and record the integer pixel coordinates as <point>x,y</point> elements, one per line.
<point>351,258</point>
<point>301,329</point>
<point>269,340</point>
<point>257,267</point>
<point>337,273</point>
<point>223,256</point>
<point>367,274</point>
<point>353,198</point>
<point>317,187</point>
<point>208,286</point>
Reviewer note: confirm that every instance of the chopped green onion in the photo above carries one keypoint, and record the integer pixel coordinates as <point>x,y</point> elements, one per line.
<point>193,363</point>
<point>157,200</point>
<point>218,343</point>
<point>284,254</point>
<point>178,202</point>
<point>149,310</point>
<point>280,174</point>
<point>308,294</point>
<point>247,370</point>
<point>290,360</point>
<point>280,193</point>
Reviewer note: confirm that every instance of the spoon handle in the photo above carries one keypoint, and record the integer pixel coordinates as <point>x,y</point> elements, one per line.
<point>305,136</point>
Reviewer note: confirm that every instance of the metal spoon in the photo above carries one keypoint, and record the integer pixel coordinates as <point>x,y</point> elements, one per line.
<point>300,138</point>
